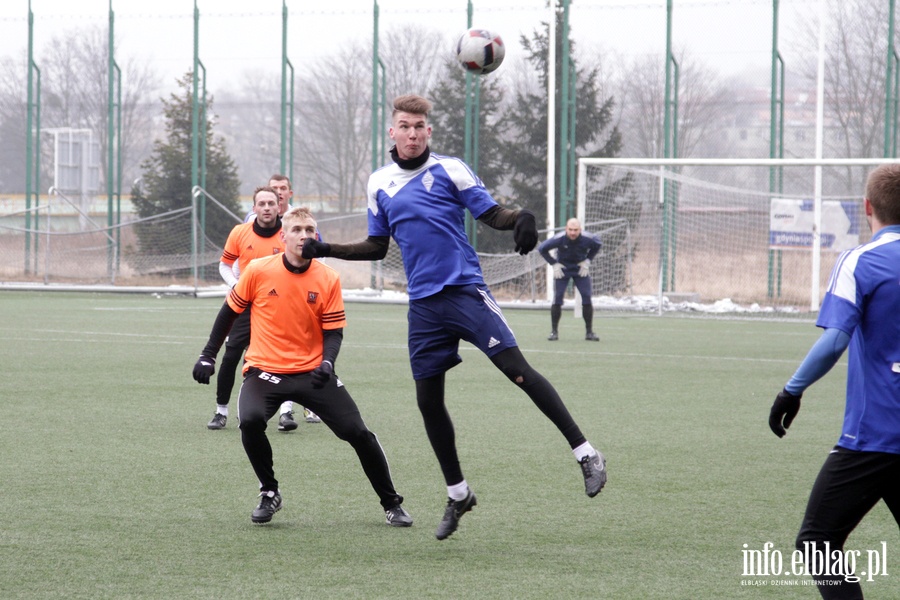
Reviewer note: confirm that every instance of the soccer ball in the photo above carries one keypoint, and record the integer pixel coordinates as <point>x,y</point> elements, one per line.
<point>480,50</point>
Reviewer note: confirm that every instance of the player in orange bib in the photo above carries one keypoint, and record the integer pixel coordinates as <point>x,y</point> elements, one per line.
<point>296,330</point>
<point>256,238</point>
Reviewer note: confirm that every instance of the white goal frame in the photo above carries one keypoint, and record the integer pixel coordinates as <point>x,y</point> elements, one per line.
<point>663,163</point>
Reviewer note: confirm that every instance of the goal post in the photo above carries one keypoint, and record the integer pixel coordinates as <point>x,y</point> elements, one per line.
<point>754,235</point>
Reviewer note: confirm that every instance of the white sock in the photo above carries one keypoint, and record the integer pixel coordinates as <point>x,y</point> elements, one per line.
<point>458,491</point>
<point>222,409</point>
<point>583,450</point>
<point>287,407</point>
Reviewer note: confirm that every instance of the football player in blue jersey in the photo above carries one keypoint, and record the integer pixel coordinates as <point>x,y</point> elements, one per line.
<point>574,252</point>
<point>860,310</point>
<point>420,200</point>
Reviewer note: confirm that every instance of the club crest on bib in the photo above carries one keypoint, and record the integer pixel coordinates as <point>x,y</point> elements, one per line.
<point>311,297</point>
<point>428,180</point>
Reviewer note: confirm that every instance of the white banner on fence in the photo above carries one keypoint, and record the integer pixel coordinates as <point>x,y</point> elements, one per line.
<point>791,224</point>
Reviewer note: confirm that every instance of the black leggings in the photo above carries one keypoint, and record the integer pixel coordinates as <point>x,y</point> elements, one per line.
<point>439,426</point>
<point>849,484</point>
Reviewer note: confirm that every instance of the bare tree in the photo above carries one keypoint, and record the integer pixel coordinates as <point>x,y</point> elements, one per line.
<point>250,121</point>
<point>12,125</point>
<point>855,54</point>
<point>76,93</point>
<point>414,58</point>
<point>703,102</point>
<point>334,109</point>
<point>334,117</point>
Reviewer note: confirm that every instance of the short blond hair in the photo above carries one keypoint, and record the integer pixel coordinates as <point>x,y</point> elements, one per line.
<point>298,212</point>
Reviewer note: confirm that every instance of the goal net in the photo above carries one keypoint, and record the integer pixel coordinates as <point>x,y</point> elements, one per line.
<point>721,235</point>
<point>79,242</point>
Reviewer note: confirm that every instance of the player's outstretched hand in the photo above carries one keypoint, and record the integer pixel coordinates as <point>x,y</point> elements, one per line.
<point>313,248</point>
<point>322,374</point>
<point>784,409</point>
<point>204,369</point>
<point>525,233</point>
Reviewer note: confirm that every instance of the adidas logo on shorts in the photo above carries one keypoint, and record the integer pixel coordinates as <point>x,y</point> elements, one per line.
<point>493,342</point>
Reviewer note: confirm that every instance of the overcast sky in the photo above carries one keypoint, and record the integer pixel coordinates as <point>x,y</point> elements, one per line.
<point>239,35</point>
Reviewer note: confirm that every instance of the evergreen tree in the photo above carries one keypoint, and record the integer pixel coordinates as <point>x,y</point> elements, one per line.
<point>487,160</point>
<point>594,136</point>
<point>166,181</point>
<point>449,122</point>
<point>526,119</point>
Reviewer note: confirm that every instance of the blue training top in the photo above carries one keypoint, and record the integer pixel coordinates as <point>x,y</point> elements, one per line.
<point>570,252</point>
<point>863,300</point>
<point>423,209</point>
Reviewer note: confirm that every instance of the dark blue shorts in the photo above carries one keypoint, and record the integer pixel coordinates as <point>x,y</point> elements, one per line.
<point>437,324</point>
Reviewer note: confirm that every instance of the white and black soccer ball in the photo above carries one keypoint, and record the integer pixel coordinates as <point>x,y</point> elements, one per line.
<point>480,50</point>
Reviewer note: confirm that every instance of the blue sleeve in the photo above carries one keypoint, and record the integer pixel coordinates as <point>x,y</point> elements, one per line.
<point>821,357</point>
<point>595,247</point>
<point>545,248</point>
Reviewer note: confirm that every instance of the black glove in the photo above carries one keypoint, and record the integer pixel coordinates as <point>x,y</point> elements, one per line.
<point>204,369</point>
<point>313,248</point>
<point>525,233</point>
<point>784,409</point>
<point>322,374</point>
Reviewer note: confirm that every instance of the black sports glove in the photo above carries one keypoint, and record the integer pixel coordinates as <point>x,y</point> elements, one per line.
<point>313,248</point>
<point>784,409</point>
<point>322,374</point>
<point>204,369</point>
<point>525,232</point>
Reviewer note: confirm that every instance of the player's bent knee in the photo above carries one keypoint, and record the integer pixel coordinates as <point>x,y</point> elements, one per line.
<point>363,440</point>
<point>518,375</point>
<point>252,423</point>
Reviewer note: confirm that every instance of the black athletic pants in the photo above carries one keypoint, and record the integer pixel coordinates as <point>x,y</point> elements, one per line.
<point>849,484</point>
<point>261,395</point>
<point>237,341</point>
<point>439,426</point>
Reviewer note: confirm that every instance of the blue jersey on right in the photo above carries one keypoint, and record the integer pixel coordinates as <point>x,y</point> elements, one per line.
<point>423,209</point>
<point>863,300</point>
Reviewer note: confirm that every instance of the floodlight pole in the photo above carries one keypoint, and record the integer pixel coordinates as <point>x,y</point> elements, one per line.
<point>287,118</point>
<point>376,61</point>
<point>114,78</point>
<point>892,88</point>
<point>32,145</point>
<point>817,182</point>
<point>195,138</point>
<point>378,116</point>
<point>470,139</point>
<point>565,147</point>
<point>551,135</point>
<point>776,146</point>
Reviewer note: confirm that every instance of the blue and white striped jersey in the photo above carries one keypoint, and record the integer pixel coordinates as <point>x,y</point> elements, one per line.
<point>863,300</point>
<point>423,209</point>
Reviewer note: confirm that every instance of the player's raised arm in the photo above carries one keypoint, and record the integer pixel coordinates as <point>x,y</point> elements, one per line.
<point>373,247</point>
